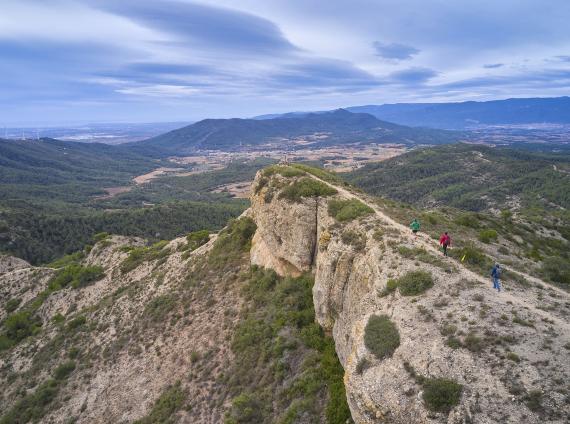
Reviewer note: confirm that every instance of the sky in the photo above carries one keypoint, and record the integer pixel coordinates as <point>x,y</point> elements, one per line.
<point>74,61</point>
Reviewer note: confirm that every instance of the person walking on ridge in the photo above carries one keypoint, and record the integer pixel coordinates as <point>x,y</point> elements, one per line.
<point>415,226</point>
<point>445,242</point>
<point>496,275</point>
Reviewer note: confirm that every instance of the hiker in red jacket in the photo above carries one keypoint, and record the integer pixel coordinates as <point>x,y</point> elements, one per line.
<point>444,242</point>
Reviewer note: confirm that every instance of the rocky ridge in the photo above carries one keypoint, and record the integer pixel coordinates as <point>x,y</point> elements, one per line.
<point>163,325</point>
<point>509,351</point>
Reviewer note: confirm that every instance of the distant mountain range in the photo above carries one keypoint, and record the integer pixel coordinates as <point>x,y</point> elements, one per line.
<point>335,127</point>
<point>472,114</point>
<point>463,115</point>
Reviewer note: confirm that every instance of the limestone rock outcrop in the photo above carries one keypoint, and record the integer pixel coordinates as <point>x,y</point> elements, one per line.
<point>505,348</point>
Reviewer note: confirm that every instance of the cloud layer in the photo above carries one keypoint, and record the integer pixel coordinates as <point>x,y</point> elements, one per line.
<point>165,60</point>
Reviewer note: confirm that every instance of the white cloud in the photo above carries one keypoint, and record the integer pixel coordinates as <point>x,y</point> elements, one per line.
<point>159,90</point>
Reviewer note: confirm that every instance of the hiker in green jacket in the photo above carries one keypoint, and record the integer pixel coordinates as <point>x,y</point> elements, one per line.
<point>415,226</point>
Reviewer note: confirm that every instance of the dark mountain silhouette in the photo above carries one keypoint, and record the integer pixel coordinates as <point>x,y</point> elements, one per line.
<point>471,114</point>
<point>339,126</point>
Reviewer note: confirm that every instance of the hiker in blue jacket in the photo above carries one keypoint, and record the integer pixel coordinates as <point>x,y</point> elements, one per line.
<point>496,274</point>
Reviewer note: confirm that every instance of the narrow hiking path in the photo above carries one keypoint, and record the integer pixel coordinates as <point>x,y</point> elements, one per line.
<point>428,244</point>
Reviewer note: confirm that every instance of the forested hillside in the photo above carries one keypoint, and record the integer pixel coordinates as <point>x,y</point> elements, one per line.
<point>471,177</point>
<point>50,201</point>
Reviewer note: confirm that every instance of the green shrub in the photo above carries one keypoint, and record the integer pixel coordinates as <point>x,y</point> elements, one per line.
<point>391,285</point>
<point>557,269</point>
<point>448,330</point>
<point>159,307</point>
<point>415,282</point>
<point>513,357</point>
<point>354,238</point>
<point>347,210</point>
<point>306,187</point>
<point>473,343</point>
<point>233,241</point>
<point>77,322</point>
<point>524,323</point>
<point>138,255</point>
<point>474,258</point>
<point>453,342</point>
<point>20,325</point>
<point>534,400</point>
<point>67,260</point>
<point>64,370</point>
<point>33,406</point>
<point>381,336</point>
<point>362,365</point>
<point>487,236</point>
<point>440,394</point>
<point>468,220</point>
<point>246,409</point>
<point>506,215</point>
<point>169,402</point>
<point>329,176</point>
<point>76,275</point>
<point>284,170</point>
<point>100,237</point>
<point>197,239</point>
<point>12,304</point>
<point>503,250</point>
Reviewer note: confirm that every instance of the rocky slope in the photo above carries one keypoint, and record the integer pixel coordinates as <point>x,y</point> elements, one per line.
<point>188,331</point>
<point>509,351</point>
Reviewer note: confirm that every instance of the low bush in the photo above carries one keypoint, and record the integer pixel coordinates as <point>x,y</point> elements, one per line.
<point>64,370</point>
<point>473,343</point>
<point>197,239</point>
<point>306,187</point>
<point>415,282</point>
<point>100,237</point>
<point>441,394</point>
<point>284,170</point>
<point>557,270</point>
<point>453,342</point>
<point>76,276</point>
<point>20,325</point>
<point>34,406</point>
<point>169,402</point>
<point>362,365</point>
<point>468,220</point>
<point>487,236</point>
<point>354,238</point>
<point>67,260</point>
<point>12,304</point>
<point>233,241</point>
<point>533,400</point>
<point>513,357</point>
<point>159,307</point>
<point>329,176</point>
<point>139,255</point>
<point>381,336</point>
<point>474,258</point>
<point>347,210</point>
<point>77,322</point>
<point>246,408</point>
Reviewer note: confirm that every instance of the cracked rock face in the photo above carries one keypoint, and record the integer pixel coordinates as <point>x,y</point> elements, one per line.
<point>350,283</point>
<point>287,234</point>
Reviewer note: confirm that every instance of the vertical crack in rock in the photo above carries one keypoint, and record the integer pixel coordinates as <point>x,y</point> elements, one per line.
<point>316,234</point>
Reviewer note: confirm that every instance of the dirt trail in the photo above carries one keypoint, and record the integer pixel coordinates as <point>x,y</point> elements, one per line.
<point>427,243</point>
